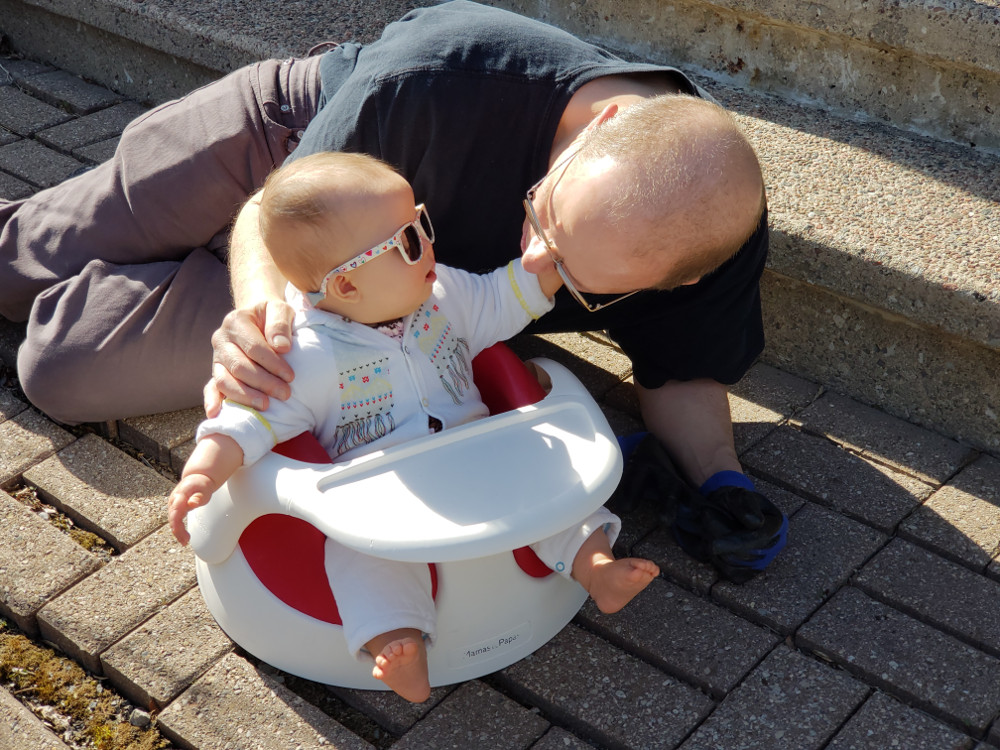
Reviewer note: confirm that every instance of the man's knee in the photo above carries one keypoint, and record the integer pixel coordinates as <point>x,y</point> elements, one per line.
<point>53,378</point>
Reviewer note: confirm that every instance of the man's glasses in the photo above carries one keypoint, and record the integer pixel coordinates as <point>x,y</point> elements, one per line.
<point>406,239</point>
<point>550,246</point>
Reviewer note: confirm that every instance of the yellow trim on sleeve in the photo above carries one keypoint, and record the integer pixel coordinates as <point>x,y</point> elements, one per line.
<point>517,291</point>
<point>259,416</point>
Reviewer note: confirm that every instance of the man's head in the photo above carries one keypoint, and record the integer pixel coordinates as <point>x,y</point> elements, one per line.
<point>321,212</point>
<point>658,195</point>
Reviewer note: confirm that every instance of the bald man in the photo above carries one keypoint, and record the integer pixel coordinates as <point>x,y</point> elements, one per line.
<point>518,137</point>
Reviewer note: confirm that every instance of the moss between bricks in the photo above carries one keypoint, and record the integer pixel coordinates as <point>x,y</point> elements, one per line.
<point>88,540</point>
<point>62,694</point>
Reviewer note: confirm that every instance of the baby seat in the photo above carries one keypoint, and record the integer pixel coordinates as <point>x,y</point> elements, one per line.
<point>514,478</point>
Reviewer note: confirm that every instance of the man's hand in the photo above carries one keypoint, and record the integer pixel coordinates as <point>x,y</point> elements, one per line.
<point>246,366</point>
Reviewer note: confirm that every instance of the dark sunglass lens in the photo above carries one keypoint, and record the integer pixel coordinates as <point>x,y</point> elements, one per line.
<point>425,224</point>
<point>411,244</point>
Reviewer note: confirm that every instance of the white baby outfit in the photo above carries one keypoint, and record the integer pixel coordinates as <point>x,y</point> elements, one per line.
<point>358,390</point>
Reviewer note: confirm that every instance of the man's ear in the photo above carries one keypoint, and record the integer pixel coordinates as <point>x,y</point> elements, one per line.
<point>606,114</point>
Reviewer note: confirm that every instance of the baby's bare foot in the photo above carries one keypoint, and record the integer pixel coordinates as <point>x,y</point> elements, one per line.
<point>614,583</point>
<point>402,666</point>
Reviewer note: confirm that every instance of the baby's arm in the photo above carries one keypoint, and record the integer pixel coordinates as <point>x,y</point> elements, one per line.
<point>494,306</point>
<point>213,461</point>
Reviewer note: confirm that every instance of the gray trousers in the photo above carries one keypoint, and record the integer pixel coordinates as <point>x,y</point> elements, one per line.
<point>121,271</point>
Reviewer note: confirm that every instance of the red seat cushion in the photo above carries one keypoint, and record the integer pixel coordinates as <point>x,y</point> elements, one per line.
<point>286,554</point>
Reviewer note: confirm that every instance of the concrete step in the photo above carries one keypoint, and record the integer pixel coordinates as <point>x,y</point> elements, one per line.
<point>884,277</point>
<point>926,66</point>
<point>922,65</point>
<point>161,49</point>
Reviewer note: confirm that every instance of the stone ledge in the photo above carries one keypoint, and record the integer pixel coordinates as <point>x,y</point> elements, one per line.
<point>922,67</point>
<point>898,222</point>
<point>222,38</point>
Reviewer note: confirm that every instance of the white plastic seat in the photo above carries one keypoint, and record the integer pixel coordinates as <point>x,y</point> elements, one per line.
<point>512,479</point>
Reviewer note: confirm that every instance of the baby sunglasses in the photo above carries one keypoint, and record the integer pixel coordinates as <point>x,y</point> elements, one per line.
<point>406,239</point>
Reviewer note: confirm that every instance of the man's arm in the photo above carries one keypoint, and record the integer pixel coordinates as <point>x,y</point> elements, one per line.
<point>692,420</point>
<point>247,366</point>
<point>253,275</point>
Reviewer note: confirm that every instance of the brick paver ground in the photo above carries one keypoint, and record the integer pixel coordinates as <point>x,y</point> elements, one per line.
<point>875,628</point>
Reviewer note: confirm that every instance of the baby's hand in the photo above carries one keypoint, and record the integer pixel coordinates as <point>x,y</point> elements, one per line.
<point>550,281</point>
<point>191,492</point>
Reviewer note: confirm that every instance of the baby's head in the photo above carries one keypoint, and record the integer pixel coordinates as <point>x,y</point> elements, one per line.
<point>346,225</point>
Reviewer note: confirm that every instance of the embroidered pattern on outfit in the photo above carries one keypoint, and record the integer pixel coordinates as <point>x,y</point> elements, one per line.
<point>365,404</point>
<point>433,333</point>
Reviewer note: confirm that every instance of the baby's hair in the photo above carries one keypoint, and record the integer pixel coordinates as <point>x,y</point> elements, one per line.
<point>310,192</point>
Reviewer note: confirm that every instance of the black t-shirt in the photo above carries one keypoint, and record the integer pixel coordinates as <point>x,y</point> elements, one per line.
<point>464,100</point>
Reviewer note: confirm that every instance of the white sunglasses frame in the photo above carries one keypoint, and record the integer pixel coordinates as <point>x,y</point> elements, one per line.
<point>395,242</point>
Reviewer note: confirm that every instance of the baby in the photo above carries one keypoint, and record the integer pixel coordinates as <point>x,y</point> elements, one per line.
<point>382,352</point>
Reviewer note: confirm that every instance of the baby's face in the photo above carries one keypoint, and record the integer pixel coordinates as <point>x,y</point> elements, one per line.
<point>390,287</point>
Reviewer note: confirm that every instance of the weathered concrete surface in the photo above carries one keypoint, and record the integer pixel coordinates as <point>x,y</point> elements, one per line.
<point>103,489</point>
<point>788,702</point>
<point>885,260</point>
<point>20,729</point>
<point>234,705</point>
<point>895,546</point>
<point>104,608</point>
<point>157,661</point>
<point>927,67</point>
<point>37,563</point>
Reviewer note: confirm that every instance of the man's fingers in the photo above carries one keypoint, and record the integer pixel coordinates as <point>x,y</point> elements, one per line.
<point>252,349</point>
<point>212,399</point>
<point>241,392</point>
<point>278,328</point>
<point>240,344</point>
<point>246,369</point>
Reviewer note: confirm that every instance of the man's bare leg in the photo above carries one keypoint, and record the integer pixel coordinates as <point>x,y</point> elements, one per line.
<point>611,583</point>
<point>401,663</point>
